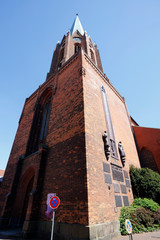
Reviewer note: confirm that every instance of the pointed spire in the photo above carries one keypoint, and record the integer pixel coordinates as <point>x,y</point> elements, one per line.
<point>77,26</point>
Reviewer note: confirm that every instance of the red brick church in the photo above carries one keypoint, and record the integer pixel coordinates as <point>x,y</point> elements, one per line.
<point>74,139</point>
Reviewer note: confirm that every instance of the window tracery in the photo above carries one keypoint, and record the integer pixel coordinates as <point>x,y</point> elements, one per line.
<point>40,122</point>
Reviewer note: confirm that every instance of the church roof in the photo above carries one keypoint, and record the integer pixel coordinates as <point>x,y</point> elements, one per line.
<point>77,26</point>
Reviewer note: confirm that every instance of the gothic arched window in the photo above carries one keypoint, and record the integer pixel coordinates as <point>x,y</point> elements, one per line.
<point>147,159</point>
<point>39,127</point>
<point>45,119</point>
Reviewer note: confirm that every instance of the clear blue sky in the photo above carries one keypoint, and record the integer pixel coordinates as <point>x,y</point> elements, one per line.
<point>127,34</point>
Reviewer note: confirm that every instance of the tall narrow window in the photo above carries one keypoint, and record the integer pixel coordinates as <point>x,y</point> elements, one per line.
<point>92,56</point>
<point>61,57</point>
<point>39,128</point>
<point>77,48</point>
<point>45,121</point>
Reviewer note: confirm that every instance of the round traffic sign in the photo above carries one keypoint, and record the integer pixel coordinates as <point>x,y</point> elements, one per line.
<point>128,226</point>
<point>54,202</point>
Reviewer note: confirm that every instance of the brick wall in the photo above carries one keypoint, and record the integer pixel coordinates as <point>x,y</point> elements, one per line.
<point>149,138</point>
<point>101,199</point>
<point>73,165</point>
<point>65,165</point>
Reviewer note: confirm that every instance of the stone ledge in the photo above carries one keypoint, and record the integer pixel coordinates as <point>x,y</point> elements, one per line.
<point>65,231</point>
<point>105,231</point>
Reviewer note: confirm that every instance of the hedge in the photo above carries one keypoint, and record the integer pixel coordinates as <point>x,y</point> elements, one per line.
<point>145,183</point>
<point>144,215</point>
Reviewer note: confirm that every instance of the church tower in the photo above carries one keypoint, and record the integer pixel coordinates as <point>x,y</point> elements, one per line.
<point>75,40</point>
<point>74,139</point>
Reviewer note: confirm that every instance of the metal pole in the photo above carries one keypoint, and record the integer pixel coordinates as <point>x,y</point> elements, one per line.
<point>52,225</point>
<point>130,236</point>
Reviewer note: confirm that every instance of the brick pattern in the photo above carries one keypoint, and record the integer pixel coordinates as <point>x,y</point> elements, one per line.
<point>73,165</point>
<point>101,193</point>
<point>64,169</point>
<point>68,45</point>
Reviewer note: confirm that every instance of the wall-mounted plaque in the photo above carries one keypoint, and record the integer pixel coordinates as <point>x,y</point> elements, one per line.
<point>118,201</point>
<point>126,175</point>
<point>106,167</point>
<point>125,201</point>
<point>117,173</point>
<point>116,187</point>
<point>107,178</point>
<point>123,189</point>
<point>128,183</point>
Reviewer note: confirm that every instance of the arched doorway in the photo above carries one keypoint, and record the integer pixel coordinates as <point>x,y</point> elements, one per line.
<point>22,198</point>
<point>26,199</point>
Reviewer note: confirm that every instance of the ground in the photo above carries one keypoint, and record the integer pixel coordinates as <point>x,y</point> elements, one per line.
<point>143,236</point>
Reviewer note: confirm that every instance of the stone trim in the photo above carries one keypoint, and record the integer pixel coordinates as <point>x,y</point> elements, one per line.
<point>66,231</point>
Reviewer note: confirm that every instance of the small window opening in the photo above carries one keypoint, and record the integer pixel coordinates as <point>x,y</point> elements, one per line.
<point>92,56</point>
<point>77,48</point>
<point>61,57</point>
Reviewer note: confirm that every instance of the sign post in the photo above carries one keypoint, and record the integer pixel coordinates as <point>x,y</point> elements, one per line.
<point>52,225</point>
<point>54,204</point>
<point>129,228</point>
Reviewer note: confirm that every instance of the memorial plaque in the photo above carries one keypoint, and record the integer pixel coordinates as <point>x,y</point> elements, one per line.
<point>107,178</point>
<point>128,183</point>
<point>116,187</point>
<point>123,189</point>
<point>117,173</point>
<point>118,201</point>
<point>106,167</point>
<point>126,175</point>
<point>125,201</point>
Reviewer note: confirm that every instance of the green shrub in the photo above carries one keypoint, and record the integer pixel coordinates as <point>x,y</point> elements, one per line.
<point>143,214</point>
<point>125,214</point>
<point>145,183</point>
<point>144,217</point>
<point>128,213</point>
<point>146,203</point>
